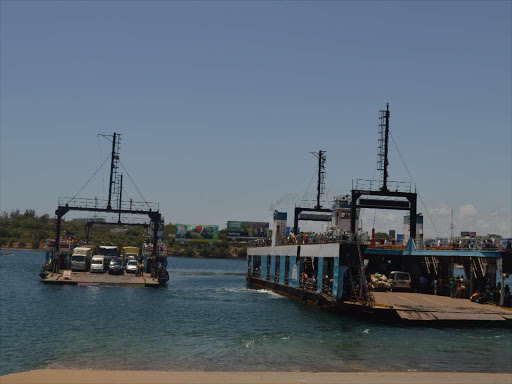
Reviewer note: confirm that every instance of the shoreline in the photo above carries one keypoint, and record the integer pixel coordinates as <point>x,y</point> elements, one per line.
<point>65,376</point>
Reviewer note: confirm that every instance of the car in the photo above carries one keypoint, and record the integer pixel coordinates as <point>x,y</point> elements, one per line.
<point>115,266</point>
<point>400,281</point>
<point>132,266</point>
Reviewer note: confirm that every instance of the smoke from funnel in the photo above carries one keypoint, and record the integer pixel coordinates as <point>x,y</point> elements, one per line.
<point>283,200</point>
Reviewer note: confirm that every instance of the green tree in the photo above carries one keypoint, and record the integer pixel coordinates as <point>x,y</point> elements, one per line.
<point>242,253</point>
<point>189,251</point>
<point>45,219</point>
<point>382,235</point>
<point>204,252</point>
<point>30,213</point>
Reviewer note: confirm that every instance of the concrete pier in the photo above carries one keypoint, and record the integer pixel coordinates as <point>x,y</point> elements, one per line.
<point>103,279</point>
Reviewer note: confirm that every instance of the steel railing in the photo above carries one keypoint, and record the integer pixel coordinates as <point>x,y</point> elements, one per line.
<point>95,203</point>
<point>376,185</point>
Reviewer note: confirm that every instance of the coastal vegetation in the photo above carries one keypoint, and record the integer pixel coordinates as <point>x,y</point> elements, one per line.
<point>29,231</point>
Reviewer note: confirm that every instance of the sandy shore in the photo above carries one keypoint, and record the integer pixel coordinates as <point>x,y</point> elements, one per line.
<point>57,376</point>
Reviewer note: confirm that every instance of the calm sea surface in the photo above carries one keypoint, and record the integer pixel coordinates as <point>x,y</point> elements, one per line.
<point>207,319</point>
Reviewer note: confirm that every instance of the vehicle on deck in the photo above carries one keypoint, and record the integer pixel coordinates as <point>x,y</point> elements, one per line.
<point>400,281</point>
<point>81,259</point>
<point>130,253</point>
<point>97,264</point>
<point>109,251</point>
<point>116,266</point>
<point>132,266</point>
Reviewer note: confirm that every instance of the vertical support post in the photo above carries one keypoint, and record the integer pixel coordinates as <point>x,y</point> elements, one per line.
<point>412,216</point>
<point>502,291</point>
<point>156,222</point>
<point>282,269</point>
<point>296,221</point>
<point>120,198</point>
<point>57,241</point>
<point>451,267</point>
<point>353,213</point>
<point>112,157</point>
<point>320,275</point>
<point>471,272</point>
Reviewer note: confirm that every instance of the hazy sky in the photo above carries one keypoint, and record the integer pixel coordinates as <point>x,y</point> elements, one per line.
<point>220,103</point>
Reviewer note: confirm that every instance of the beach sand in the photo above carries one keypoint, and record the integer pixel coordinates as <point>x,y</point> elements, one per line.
<point>57,376</point>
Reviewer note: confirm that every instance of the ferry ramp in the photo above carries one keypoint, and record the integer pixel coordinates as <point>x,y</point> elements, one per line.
<point>430,308</point>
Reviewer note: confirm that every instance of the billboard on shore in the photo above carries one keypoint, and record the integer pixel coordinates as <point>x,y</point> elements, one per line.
<point>247,230</point>
<point>197,232</point>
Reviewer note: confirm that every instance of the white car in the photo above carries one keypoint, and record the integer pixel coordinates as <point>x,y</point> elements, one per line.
<point>132,266</point>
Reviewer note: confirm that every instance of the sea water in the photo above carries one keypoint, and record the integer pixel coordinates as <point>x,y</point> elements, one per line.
<point>208,319</point>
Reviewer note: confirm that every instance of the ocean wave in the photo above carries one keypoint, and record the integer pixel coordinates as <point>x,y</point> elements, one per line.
<point>272,294</point>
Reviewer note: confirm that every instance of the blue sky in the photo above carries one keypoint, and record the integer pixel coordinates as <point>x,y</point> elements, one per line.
<point>220,103</point>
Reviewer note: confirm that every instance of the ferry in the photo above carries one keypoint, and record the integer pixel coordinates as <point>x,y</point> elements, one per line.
<point>57,268</point>
<point>332,269</point>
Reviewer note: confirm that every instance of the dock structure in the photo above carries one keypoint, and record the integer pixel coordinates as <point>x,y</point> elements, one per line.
<point>100,279</point>
<point>328,276</point>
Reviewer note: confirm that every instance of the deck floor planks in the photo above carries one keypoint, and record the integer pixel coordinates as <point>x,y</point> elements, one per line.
<point>101,279</point>
<point>422,307</point>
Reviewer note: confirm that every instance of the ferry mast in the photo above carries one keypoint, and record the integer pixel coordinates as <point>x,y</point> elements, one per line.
<point>401,194</point>
<point>317,213</point>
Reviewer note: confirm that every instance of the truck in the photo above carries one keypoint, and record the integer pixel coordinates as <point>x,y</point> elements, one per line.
<point>130,253</point>
<point>81,259</point>
<point>109,252</point>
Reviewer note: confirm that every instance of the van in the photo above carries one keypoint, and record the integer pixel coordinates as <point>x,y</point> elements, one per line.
<point>400,281</point>
<point>97,264</point>
<point>81,259</point>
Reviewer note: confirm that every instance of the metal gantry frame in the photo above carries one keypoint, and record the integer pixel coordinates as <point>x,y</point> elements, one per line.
<point>115,187</point>
<point>410,202</point>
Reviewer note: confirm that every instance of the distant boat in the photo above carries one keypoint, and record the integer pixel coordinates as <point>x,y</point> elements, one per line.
<point>6,254</point>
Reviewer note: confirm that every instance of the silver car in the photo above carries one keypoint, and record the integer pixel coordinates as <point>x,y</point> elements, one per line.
<point>132,266</point>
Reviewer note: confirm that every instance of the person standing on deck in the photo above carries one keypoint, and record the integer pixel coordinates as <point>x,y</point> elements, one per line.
<point>436,285</point>
<point>453,287</point>
<point>422,284</point>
